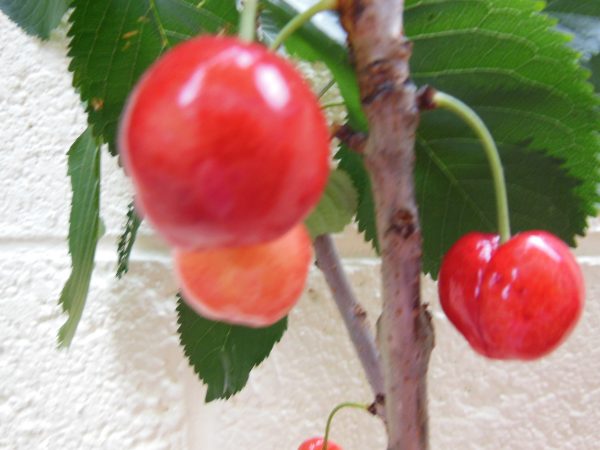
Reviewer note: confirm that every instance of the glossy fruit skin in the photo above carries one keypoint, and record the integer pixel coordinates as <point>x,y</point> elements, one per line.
<point>518,300</point>
<point>253,285</point>
<point>316,443</point>
<point>225,143</point>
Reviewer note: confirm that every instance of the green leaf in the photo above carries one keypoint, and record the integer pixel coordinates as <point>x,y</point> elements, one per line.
<point>527,85</point>
<point>114,42</point>
<point>352,163</point>
<point>336,208</point>
<point>455,192</point>
<point>594,65</point>
<point>127,240</point>
<point>506,60</point>
<point>36,17</point>
<point>221,354</point>
<point>84,230</point>
<point>312,44</point>
<point>580,7</point>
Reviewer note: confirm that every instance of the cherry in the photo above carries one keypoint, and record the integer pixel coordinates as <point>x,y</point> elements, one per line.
<point>253,285</point>
<point>317,444</point>
<point>517,300</point>
<point>225,143</point>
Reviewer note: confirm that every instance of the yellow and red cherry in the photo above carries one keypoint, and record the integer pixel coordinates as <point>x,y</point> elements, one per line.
<point>254,285</point>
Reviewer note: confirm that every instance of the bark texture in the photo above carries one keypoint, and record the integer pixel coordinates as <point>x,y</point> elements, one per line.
<point>381,53</point>
<point>354,316</point>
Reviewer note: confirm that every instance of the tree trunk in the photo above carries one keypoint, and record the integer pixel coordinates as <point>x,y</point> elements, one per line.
<point>381,53</point>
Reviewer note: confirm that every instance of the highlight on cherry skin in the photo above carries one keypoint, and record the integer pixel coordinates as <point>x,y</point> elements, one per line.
<point>225,143</point>
<point>518,300</point>
<point>254,285</point>
<point>317,443</point>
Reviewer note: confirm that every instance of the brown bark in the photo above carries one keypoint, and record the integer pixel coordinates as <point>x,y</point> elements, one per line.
<point>354,316</point>
<point>381,53</point>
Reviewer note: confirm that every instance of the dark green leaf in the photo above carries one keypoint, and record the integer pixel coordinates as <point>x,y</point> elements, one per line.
<point>84,224</point>
<point>114,41</point>
<point>352,163</point>
<point>580,7</point>
<point>223,355</point>
<point>455,192</point>
<point>36,17</point>
<point>528,89</point>
<point>336,208</point>
<point>505,59</point>
<point>594,65</point>
<point>127,240</point>
<point>519,75</point>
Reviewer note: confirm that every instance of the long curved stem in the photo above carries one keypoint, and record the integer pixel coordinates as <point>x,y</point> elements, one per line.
<point>248,20</point>
<point>332,414</point>
<point>301,19</point>
<point>446,101</point>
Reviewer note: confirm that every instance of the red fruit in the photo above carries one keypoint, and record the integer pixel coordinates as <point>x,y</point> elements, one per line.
<point>317,444</point>
<point>225,143</point>
<point>518,300</point>
<point>253,285</point>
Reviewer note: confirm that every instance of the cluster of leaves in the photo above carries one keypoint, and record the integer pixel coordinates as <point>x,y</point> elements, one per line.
<point>505,58</point>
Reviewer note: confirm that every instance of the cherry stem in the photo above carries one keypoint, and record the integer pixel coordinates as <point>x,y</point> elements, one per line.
<point>248,21</point>
<point>470,117</point>
<point>332,105</point>
<point>326,88</point>
<point>301,19</point>
<point>332,414</point>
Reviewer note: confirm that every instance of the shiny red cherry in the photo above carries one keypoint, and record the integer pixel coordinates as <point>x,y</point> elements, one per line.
<point>225,143</point>
<point>518,300</point>
<point>317,444</point>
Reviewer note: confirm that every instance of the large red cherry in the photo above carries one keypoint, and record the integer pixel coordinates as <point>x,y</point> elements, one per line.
<point>518,300</point>
<point>225,143</point>
<point>317,444</point>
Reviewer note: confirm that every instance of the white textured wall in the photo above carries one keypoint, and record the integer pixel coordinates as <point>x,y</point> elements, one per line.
<point>124,384</point>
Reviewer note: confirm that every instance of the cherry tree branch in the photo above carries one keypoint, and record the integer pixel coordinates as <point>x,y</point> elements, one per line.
<point>381,53</point>
<point>353,314</point>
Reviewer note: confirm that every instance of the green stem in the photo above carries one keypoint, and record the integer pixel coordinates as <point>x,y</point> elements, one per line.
<point>333,412</point>
<point>332,105</point>
<point>248,21</point>
<point>446,101</point>
<point>301,19</point>
<point>326,88</point>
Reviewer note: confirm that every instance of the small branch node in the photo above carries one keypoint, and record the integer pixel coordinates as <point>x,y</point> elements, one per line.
<point>402,223</point>
<point>354,140</point>
<point>425,98</point>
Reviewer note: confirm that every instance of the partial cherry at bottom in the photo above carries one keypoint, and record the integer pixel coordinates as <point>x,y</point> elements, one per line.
<point>518,300</point>
<point>316,443</point>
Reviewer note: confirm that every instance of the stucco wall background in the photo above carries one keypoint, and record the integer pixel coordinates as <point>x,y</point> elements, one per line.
<point>125,384</point>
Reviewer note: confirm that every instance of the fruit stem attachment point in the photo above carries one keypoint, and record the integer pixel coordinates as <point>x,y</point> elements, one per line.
<point>248,21</point>
<point>470,117</point>
<point>332,414</point>
<point>301,19</point>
